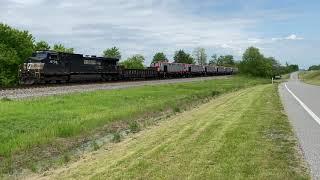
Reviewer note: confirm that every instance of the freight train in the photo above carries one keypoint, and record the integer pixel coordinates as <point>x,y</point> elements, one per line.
<point>58,67</point>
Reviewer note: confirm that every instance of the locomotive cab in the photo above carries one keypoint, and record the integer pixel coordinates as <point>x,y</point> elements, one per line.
<point>32,69</point>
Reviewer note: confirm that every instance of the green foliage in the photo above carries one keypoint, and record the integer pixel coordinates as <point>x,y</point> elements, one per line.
<point>95,146</point>
<point>134,126</point>
<point>176,109</point>
<point>200,56</point>
<point>5,99</point>
<point>134,62</point>
<point>19,41</point>
<point>310,77</point>
<point>159,57</point>
<point>62,48</point>
<point>9,64</point>
<point>314,67</point>
<point>116,137</point>
<point>41,45</point>
<point>213,60</point>
<point>227,60</point>
<point>254,63</point>
<point>113,52</point>
<point>66,158</point>
<point>183,57</point>
<point>15,47</point>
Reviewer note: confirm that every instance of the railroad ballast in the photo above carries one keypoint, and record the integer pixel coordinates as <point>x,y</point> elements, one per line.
<point>56,67</point>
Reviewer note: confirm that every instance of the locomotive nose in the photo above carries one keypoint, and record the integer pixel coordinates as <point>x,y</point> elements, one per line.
<point>35,66</point>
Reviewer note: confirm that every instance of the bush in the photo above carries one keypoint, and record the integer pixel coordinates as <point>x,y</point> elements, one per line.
<point>15,47</point>
<point>134,127</point>
<point>9,65</point>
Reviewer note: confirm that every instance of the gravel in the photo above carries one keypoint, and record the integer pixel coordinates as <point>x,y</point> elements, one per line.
<point>69,88</point>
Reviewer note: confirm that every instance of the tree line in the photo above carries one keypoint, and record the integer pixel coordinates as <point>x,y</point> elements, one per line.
<point>256,64</point>
<point>314,68</point>
<point>199,56</point>
<point>16,46</point>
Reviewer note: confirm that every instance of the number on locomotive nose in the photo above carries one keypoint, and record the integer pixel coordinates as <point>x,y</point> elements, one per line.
<point>53,62</point>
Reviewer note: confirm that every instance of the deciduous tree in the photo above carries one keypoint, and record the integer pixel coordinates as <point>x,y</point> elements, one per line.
<point>200,56</point>
<point>113,52</point>
<point>213,60</point>
<point>159,57</point>
<point>182,57</point>
<point>134,62</point>
<point>41,45</point>
<point>62,48</point>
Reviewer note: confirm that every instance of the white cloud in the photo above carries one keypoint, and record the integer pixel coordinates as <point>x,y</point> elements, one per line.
<point>136,26</point>
<point>293,37</point>
<point>140,26</point>
<point>290,37</point>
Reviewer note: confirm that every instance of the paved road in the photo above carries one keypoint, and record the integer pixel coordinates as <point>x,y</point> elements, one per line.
<point>64,89</point>
<point>302,104</point>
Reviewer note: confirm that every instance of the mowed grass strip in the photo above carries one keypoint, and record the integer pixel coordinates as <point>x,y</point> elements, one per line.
<point>310,77</point>
<point>25,124</point>
<point>241,135</point>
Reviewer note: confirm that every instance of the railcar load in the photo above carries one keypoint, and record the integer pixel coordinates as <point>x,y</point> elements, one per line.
<point>58,67</point>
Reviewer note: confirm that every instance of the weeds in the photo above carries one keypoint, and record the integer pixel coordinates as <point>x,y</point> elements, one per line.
<point>134,126</point>
<point>95,146</point>
<point>66,157</point>
<point>6,99</point>
<point>176,109</point>
<point>116,137</point>
<point>215,93</point>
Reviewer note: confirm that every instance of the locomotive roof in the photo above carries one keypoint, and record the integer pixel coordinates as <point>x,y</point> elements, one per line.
<point>87,57</point>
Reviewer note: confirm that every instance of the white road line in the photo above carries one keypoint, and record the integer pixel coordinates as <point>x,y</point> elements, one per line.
<point>312,114</point>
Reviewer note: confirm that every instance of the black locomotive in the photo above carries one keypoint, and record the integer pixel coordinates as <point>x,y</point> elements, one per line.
<point>51,66</point>
<point>58,67</point>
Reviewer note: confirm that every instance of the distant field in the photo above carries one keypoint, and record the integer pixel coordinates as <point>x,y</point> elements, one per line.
<point>28,124</point>
<point>310,77</point>
<point>241,135</point>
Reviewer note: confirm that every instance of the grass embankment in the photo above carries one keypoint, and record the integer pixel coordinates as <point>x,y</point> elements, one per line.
<point>310,77</point>
<point>241,135</point>
<point>28,125</point>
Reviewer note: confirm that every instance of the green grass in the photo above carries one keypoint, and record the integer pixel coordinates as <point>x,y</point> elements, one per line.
<point>26,124</point>
<point>310,77</point>
<point>285,76</point>
<point>241,135</point>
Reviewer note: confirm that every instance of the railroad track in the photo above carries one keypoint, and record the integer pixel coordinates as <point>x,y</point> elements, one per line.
<point>56,89</point>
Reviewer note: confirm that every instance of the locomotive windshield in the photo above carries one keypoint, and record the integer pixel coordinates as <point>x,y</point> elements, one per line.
<point>40,55</point>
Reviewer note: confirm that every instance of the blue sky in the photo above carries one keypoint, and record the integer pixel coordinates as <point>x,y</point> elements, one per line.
<point>286,29</point>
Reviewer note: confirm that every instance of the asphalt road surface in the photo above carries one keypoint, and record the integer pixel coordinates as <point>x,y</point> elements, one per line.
<point>302,104</point>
